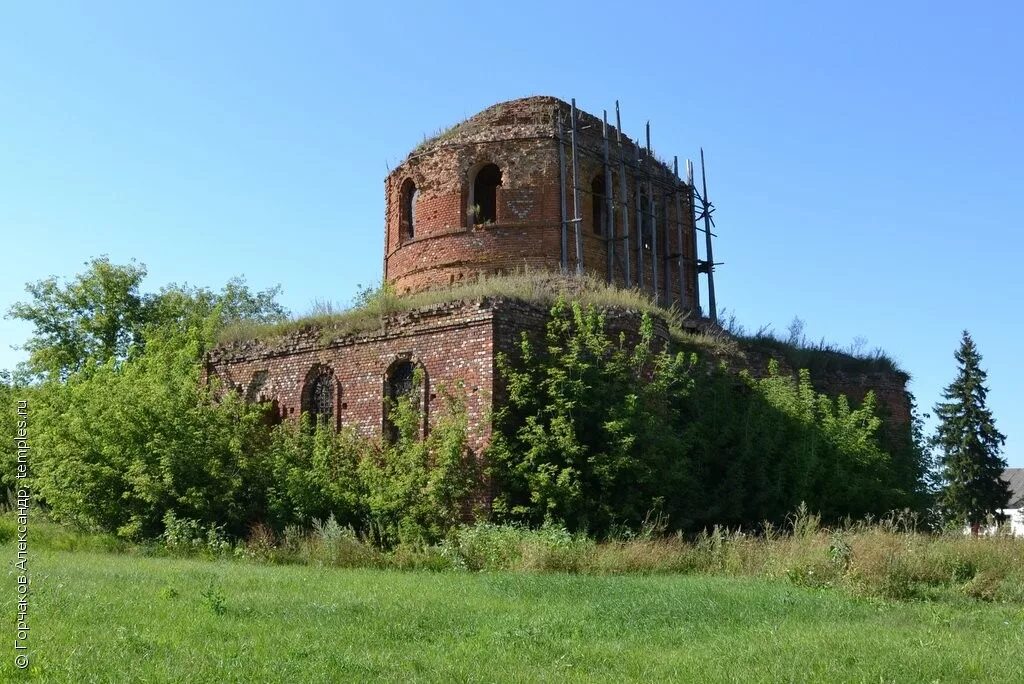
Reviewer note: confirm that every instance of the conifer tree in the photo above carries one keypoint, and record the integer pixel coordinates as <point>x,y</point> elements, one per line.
<point>969,444</point>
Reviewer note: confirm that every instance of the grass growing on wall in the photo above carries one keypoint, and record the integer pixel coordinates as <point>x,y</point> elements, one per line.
<point>371,307</point>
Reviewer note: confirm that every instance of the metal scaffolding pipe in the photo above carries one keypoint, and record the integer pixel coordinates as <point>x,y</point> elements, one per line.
<point>576,194</point>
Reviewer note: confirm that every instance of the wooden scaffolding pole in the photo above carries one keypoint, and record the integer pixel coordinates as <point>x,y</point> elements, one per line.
<point>653,218</point>
<point>561,194</point>
<point>712,310</point>
<point>639,225</point>
<point>680,261</point>
<point>608,229</point>
<point>623,196</point>
<point>576,193</point>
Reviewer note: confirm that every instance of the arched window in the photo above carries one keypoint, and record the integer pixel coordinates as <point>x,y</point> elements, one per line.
<point>597,199</point>
<point>399,383</point>
<point>407,213</point>
<point>485,194</point>
<point>401,380</point>
<point>261,391</point>
<point>318,396</point>
<point>257,386</point>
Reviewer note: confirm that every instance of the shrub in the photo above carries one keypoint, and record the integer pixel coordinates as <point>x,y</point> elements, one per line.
<point>487,546</point>
<point>189,536</point>
<point>122,444</point>
<point>596,433</point>
<point>417,488</point>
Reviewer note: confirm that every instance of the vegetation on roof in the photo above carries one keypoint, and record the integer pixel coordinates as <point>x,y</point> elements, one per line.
<point>819,357</point>
<point>372,305</point>
<point>438,136</point>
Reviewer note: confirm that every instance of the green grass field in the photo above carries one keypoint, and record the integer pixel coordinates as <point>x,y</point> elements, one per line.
<point>99,617</point>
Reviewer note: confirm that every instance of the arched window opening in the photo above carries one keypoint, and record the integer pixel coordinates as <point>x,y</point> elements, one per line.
<point>318,396</point>
<point>485,195</point>
<point>597,198</point>
<point>261,392</point>
<point>272,413</point>
<point>257,388</point>
<point>407,213</point>
<point>399,384</point>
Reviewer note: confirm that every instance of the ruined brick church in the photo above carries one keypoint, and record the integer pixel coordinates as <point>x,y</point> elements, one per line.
<point>532,183</point>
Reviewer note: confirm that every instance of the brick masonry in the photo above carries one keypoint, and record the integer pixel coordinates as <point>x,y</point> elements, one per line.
<point>452,343</point>
<point>521,137</point>
<point>456,343</point>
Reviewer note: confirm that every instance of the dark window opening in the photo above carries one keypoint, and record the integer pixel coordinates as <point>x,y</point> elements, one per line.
<point>408,208</point>
<point>272,414</point>
<point>400,383</point>
<point>260,392</point>
<point>597,198</point>
<point>401,380</point>
<point>318,397</point>
<point>485,194</point>
<point>257,387</point>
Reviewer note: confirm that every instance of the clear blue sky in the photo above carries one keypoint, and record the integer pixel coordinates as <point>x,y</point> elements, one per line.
<point>865,159</point>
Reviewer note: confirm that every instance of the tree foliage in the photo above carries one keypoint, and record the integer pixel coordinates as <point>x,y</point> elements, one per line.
<point>127,438</point>
<point>96,315</point>
<point>969,444</point>
<point>101,315</point>
<point>118,445</point>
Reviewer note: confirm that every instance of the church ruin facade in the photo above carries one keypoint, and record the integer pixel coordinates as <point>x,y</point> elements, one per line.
<point>529,184</point>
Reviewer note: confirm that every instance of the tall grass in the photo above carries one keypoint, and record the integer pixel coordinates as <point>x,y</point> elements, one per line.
<point>799,351</point>
<point>888,558</point>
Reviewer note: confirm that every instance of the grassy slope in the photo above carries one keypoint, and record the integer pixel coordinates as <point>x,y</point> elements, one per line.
<point>108,617</point>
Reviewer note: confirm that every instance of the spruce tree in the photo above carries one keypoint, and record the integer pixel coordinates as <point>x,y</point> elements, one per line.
<point>969,444</point>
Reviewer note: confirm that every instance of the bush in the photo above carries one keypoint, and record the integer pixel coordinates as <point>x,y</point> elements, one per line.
<point>597,433</point>
<point>190,536</point>
<point>418,488</point>
<point>120,445</point>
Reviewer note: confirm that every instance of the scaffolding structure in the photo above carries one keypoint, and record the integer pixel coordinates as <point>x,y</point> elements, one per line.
<point>642,233</point>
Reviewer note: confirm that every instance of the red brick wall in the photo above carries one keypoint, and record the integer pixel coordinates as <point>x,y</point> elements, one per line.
<point>453,343</point>
<point>520,137</point>
<point>457,343</point>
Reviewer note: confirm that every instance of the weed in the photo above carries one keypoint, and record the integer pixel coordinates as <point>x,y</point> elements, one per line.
<point>214,599</point>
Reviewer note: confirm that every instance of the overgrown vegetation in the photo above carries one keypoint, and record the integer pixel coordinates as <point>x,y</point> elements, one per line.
<point>597,434</point>
<point>796,350</point>
<point>143,450</point>
<point>888,558</point>
<point>372,305</point>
